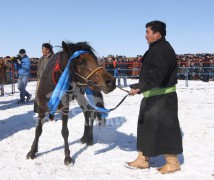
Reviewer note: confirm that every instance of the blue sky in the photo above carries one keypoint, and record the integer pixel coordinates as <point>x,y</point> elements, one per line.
<point>111,27</point>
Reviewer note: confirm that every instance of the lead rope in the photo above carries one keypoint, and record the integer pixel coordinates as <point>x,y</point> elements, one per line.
<point>122,99</point>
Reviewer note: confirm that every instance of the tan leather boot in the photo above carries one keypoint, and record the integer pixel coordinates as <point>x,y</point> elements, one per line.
<point>172,164</point>
<point>142,162</point>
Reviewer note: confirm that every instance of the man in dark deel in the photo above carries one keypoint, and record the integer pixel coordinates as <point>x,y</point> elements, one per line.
<point>47,52</point>
<point>158,129</point>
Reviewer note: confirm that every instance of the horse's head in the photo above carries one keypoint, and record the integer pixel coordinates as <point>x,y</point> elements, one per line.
<point>85,70</point>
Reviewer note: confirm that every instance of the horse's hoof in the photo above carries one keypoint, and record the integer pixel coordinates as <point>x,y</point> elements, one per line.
<point>90,143</point>
<point>68,161</point>
<point>83,140</point>
<point>30,155</point>
<point>87,141</point>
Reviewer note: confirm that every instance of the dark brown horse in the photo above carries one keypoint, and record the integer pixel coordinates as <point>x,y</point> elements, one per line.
<point>84,71</point>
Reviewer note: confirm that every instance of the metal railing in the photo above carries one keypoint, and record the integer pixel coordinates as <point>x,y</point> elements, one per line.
<point>132,70</point>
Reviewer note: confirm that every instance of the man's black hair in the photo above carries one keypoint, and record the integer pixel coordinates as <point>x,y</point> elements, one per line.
<point>48,46</point>
<point>157,26</point>
<point>22,51</point>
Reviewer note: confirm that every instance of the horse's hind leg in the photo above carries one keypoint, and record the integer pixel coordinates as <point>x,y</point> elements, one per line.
<point>65,133</point>
<point>38,132</point>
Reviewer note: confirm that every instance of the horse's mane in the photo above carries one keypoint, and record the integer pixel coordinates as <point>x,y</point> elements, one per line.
<point>80,46</point>
<point>73,47</point>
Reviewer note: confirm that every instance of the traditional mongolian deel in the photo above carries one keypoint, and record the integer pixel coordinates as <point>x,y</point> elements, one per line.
<point>158,125</point>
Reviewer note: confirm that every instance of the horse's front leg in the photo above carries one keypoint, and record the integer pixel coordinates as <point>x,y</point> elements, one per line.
<point>65,133</point>
<point>38,132</point>
<point>89,118</point>
<point>98,98</point>
<point>90,115</point>
<point>88,129</point>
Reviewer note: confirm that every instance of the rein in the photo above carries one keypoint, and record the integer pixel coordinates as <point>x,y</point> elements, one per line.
<point>122,99</point>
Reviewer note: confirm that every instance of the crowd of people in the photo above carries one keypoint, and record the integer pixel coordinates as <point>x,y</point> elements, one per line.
<point>8,62</point>
<point>195,65</point>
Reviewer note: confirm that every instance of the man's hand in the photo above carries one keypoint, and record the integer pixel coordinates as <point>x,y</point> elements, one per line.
<point>18,61</point>
<point>134,91</point>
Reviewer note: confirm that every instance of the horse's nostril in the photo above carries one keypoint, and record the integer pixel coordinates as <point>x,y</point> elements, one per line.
<point>110,83</point>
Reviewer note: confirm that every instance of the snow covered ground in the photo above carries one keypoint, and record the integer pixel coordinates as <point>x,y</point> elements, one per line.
<point>114,144</point>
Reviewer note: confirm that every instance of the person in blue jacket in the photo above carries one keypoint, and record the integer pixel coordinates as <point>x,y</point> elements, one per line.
<point>23,68</point>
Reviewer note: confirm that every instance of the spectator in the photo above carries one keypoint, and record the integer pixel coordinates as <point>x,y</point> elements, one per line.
<point>205,77</point>
<point>7,62</point>
<point>23,68</point>
<point>110,66</point>
<point>211,70</point>
<point>122,71</point>
<point>115,69</point>
<point>135,70</point>
<point>3,68</point>
<point>47,54</point>
<point>200,69</point>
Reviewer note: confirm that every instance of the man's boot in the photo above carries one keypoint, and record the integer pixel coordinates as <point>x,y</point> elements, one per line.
<point>172,164</point>
<point>142,162</point>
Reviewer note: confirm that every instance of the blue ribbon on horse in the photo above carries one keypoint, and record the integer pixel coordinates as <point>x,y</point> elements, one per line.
<point>90,98</point>
<point>63,85</point>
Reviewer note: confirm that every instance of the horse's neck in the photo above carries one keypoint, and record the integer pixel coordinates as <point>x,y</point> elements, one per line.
<point>63,61</point>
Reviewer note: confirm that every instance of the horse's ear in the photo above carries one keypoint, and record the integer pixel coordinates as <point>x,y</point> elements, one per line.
<point>65,47</point>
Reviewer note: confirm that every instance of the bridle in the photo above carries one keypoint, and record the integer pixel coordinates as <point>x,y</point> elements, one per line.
<point>89,82</point>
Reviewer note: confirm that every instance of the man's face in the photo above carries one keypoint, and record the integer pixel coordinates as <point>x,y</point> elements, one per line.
<point>45,51</point>
<point>150,36</point>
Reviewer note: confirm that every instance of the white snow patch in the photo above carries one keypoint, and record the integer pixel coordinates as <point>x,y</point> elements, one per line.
<point>114,144</point>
